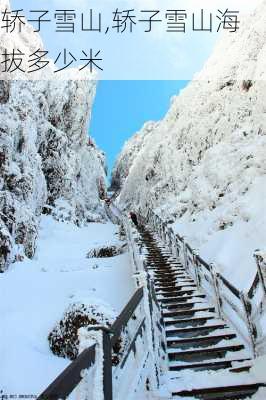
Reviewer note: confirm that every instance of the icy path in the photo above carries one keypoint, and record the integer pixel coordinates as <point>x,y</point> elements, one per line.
<point>34,294</point>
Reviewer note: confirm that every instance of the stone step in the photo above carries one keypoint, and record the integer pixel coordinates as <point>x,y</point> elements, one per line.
<point>202,354</point>
<point>189,322</point>
<point>208,365</point>
<point>174,289</point>
<point>200,341</point>
<point>169,277</point>
<point>181,313</point>
<point>180,293</point>
<point>196,339</point>
<point>173,283</point>
<point>158,257</point>
<point>168,269</point>
<point>164,260</point>
<point>239,370</point>
<point>167,272</point>
<point>181,299</point>
<point>193,332</point>
<point>220,393</point>
<point>183,305</point>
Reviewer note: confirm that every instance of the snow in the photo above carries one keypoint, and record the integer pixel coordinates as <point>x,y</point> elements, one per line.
<point>148,363</point>
<point>259,368</point>
<point>203,166</point>
<point>35,294</point>
<point>206,379</point>
<point>126,158</point>
<point>247,47</point>
<point>232,249</point>
<point>47,162</point>
<point>84,390</point>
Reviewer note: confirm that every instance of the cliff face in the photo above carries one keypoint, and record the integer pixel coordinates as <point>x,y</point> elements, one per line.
<point>210,126</point>
<point>127,157</point>
<point>73,166</point>
<point>204,164</point>
<point>47,163</point>
<point>215,118</point>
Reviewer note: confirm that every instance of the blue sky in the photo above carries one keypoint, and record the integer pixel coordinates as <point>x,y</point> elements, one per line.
<point>157,55</point>
<point>130,56</point>
<point>121,108</point>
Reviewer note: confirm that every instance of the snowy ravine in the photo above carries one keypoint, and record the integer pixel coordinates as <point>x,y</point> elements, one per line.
<point>52,215</point>
<point>203,166</point>
<point>47,162</point>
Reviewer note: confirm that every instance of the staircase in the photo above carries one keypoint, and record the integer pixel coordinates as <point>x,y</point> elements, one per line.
<point>206,358</point>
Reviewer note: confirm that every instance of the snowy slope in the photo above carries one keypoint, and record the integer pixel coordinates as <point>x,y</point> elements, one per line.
<point>34,295</point>
<point>203,165</point>
<point>47,163</point>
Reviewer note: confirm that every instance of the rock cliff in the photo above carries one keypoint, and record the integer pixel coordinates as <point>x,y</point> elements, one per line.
<point>47,162</point>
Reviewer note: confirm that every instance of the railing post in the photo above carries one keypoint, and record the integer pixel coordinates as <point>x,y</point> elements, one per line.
<point>196,266</point>
<point>163,232</point>
<point>166,235</point>
<point>148,307</point>
<point>157,224</point>
<point>154,220</point>
<point>103,379</point>
<point>215,278</point>
<point>177,247</point>
<point>148,216</point>
<point>149,289</point>
<point>168,238</point>
<point>260,262</point>
<point>170,241</point>
<point>107,366</point>
<point>251,327</point>
<point>185,253</point>
<point>160,229</point>
<point>172,237</point>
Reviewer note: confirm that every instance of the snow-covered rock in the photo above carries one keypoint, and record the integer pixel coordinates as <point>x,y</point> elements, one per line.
<point>128,155</point>
<point>35,293</point>
<point>88,312</point>
<point>204,163</point>
<point>47,162</point>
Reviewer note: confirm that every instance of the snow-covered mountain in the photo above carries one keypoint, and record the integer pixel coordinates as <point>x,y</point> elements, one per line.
<point>204,164</point>
<point>47,162</point>
<point>128,155</point>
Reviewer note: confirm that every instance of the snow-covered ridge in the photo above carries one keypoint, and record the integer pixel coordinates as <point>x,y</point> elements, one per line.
<point>47,162</point>
<point>204,163</point>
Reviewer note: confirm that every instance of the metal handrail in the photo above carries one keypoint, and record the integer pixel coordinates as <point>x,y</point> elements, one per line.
<point>231,287</point>
<point>122,320</point>
<point>216,279</point>
<point>69,379</point>
<point>203,262</point>
<point>234,290</point>
<point>254,286</point>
